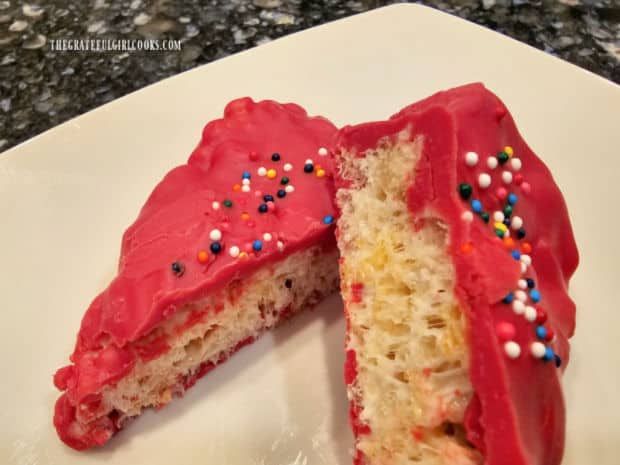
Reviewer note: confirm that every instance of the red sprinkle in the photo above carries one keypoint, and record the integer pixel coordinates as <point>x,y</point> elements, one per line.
<point>541,316</point>
<point>356,292</point>
<point>253,156</point>
<point>526,188</point>
<point>518,179</point>
<point>550,335</point>
<point>505,331</point>
<point>501,193</point>
<point>417,434</point>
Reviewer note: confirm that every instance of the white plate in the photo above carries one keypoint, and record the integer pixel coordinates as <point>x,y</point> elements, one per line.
<point>67,195</point>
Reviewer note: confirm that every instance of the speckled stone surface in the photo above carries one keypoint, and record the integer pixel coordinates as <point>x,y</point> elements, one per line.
<point>40,88</point>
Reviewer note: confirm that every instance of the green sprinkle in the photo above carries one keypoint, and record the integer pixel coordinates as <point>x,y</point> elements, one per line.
<point>465,190</point>
<point>502,157</point>
<point>284,180</point>
<point>499,233</point>
<point>507,211</point>
<point>228,203</point>
<point>484,216</point>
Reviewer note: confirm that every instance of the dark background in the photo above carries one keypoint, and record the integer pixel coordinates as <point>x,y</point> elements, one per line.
<point>40,88</point>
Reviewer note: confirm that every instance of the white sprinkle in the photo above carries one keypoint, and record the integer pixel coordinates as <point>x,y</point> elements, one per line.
<point>515,163</point>
<point>498,216</point>
<point>523,267</point>
<point>520,295</point>
<point>309,160</point>
<point>526,259</point>
<point>323,151</point>
<point>522,283</point>
<point>245,182</point>
<point>234,251</point>
<point>280,245</point>
<point>538,349</point>
<point>471,158</point>
<point>530,313</point>
<point>288,167</point>
<point>467,216</point>
<point>507,177</point>
<point>215,205</point>
<point>289,189</point>
<point>484,180</point>
<point>512,349</point>
<point>492,162</point>
<point>516,222</point>
<point>215,235</point>
<point>267,237</point>
<point>518,307</point>
<point>262,171</point>
<point>245,188</point>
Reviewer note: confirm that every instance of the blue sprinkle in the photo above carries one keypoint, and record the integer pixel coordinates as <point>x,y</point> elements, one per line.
<point>516,255</point>
<point>268,198</point>
<point>257,245</point>
<point>308,167</point>
<point>246,175</point>
<point>216,247</point>
<point>558,361</point>
<point>509,298</point>
<point>476,206</point>
<point>281,193</point>
<point>328,219</point>
<point>549,355</point>
<point>541,332</point>
<point>535,295</point>
<point>507,221</point>
<point>262,208</point>
<point>512,199</point>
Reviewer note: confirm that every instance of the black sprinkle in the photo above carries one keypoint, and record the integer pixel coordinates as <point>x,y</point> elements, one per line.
<point>178,268</point>
<point>288,283</point>
<point>275,157</point>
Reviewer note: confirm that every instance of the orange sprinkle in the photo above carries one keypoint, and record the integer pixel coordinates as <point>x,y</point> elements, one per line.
<point>237,187</point>
<point>320,173</point>
<point>202,256</point>
<point>243,255</point>
<point>467,247</point>
<point>245,216</point>
<point>509,242</point>
<point>526,247</point>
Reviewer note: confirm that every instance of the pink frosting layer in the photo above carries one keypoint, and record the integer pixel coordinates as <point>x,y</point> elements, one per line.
<point>181,218</point>
<point>516,416</point>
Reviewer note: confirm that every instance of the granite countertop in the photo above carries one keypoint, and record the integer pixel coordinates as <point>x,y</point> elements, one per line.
<point>40,88</point>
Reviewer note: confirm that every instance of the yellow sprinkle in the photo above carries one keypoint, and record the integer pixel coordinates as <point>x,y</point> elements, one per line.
<point>245,216</point>
<point>271,173</point>
<point>501,226</point>
<point>243,255</point>
<point>508,150</point>
<point>320,173</point>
